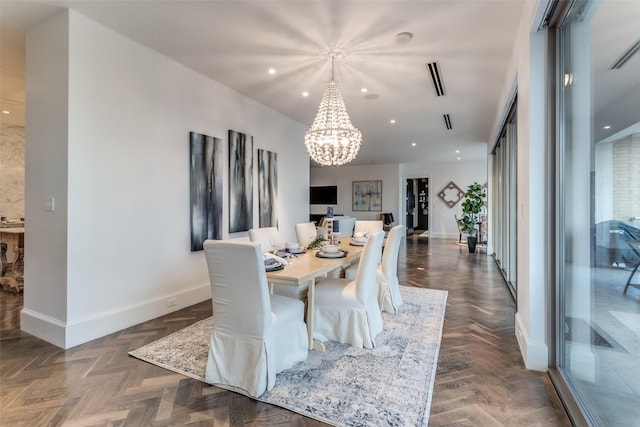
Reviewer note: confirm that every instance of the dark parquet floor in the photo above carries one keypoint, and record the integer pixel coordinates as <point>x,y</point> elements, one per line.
<point>480,381</point>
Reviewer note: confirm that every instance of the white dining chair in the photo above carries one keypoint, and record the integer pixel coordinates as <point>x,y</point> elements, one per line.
<point>367,228</point>
<point>346,310</point>
<point>255,335</point>
<point>268,236</point>
<point>306,233</point>
<point>389,297</point>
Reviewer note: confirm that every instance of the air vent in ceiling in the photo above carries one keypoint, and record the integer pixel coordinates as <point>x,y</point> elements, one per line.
<point>447,121</point>
<point>626,56</point>
<point>436,78</point>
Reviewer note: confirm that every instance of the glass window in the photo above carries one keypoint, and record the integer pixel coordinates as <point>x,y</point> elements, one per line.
<point>598,326</point>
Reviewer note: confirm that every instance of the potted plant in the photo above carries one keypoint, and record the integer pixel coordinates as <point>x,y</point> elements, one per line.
<point>474,200</point>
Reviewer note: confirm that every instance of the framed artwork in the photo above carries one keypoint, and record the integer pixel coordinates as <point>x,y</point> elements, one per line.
<point>367,195</point>
<point>206,189</point>
<point>267,188</point>
<point>240,182</point>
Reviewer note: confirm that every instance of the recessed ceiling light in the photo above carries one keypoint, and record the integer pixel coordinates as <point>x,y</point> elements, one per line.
<point>305,93</point>
<point>272,71</point>
<point>457,151</point>
<point>607,127</point>
<point>363,90</point>
<point>413,144</point>
<point>459,158</point>
<point>403,38</point>
<point>392,121</point>
<point>6,112</point>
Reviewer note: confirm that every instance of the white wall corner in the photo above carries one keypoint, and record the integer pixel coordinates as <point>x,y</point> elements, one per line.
<point>71,334</point>
<point>534,354</point>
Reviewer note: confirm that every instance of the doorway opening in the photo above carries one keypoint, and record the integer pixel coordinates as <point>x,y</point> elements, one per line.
<point>417,205</point>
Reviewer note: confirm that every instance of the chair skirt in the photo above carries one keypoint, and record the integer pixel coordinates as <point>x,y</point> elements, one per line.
<point>249,365</point>
<point>340,316</point>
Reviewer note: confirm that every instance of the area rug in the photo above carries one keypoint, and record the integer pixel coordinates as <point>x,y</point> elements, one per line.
<point>391,385</point>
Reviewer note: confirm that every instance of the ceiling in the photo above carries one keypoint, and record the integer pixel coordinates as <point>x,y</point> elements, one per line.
<point>236,42</point>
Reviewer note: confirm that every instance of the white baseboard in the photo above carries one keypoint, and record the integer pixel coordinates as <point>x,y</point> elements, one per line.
<point>71,334</point>
<point>440,235</point>
<point>42,326</point>
<point>535,354</point>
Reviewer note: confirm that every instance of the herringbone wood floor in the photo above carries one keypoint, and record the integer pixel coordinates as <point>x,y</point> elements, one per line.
<point>480,381</point>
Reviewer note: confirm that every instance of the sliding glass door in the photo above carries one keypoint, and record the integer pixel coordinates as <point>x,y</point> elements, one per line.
<point>598,210</point>
<point>504,203</point>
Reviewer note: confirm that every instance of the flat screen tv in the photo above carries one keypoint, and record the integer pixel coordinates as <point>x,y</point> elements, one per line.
<point>326,195</point>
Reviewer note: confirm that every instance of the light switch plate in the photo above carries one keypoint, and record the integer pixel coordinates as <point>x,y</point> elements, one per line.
<point>49,204</point>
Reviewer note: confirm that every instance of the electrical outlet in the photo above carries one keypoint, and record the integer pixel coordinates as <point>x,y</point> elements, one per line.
<point>171,302</point>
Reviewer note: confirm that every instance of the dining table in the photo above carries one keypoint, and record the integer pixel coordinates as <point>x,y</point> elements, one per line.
<point>12,272</point>
<point>308,267</point>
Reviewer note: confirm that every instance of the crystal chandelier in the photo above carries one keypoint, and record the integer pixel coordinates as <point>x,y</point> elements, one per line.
<point>332,140</point>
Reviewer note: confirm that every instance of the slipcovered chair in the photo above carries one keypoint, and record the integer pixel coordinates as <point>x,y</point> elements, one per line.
<point>305,233</point>
<point>269,238</point>
<point>389,297</point>
<point>255,335</point>
<point>367,227</point>
<point>345,228</point>
<point>346,310</point>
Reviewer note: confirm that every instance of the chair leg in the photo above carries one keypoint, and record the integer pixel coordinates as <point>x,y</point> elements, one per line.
<point>630,277</point>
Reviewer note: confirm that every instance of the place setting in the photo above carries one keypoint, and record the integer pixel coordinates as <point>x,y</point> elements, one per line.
<point>293,248</point>
<point>271,264</point>
<point>331,251</point>
<point>358,239</point>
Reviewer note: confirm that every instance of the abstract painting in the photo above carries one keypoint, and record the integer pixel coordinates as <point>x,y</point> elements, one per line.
<point>206,189</point>
<point>240,182</point>
<point>367,195</point>
<point>268,188</point>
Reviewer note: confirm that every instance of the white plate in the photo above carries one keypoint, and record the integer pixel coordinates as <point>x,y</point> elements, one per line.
<point>354,243</point>
<point>296,251</point>
<point>339,254</point>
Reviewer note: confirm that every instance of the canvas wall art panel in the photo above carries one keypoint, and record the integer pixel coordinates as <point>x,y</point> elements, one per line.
<point>268,188</point>
<point>240,182</point>
<point>206,188</point>
<point>367,195</point>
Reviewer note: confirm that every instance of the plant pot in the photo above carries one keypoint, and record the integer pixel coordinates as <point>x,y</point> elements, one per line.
<point>471,243</point>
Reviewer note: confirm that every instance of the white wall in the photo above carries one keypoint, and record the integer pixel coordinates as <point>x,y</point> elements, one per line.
<point>46,146</point>
<point>127,248</point>
<point>442,223</point>
<point>528,68</point>
<point>343,177</point>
